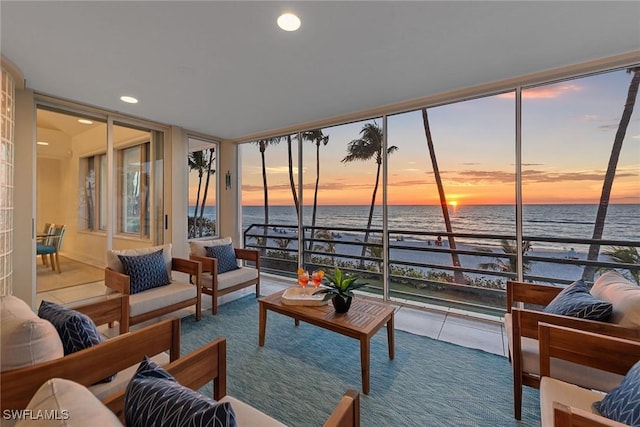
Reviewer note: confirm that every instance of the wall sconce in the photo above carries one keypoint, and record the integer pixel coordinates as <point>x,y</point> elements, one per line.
<point>227,180</point>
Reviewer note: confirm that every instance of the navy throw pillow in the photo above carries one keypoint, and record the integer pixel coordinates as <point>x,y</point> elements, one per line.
<point>77,331</point>
<point>155,399</point>
<point>622,404</point>
<point>226,256</point>
<point>576,301</point>
<point>145,271</point>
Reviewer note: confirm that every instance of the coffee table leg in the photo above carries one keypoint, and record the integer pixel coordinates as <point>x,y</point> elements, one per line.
<point>262,324</point>
<point>390,338</point>
<point>364,363</point>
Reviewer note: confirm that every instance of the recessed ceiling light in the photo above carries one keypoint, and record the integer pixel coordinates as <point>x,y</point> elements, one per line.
<point>129,99</point>
<point>288,22</point>
<point>42,143</point>
<point>85,121</point>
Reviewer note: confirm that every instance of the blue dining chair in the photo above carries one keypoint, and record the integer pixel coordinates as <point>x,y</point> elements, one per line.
<point>51,246</point>
<point>45,238</point>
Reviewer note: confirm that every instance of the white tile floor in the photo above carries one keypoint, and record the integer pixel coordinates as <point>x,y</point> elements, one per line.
<point>462,328</point>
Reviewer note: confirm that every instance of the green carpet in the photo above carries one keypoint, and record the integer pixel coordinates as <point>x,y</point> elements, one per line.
<point>301,373</point>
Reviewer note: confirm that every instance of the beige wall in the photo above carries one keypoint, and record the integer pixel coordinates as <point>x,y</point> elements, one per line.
<point>24,247</point>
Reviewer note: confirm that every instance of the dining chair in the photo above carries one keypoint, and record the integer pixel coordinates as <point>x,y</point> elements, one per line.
<point>53,248</point>
<point>45,238</point>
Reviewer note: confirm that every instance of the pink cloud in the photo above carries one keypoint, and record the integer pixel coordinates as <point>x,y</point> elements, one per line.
<point>544,92</point>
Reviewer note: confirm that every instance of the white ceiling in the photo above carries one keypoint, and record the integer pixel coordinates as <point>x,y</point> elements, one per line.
<point>224,68</point>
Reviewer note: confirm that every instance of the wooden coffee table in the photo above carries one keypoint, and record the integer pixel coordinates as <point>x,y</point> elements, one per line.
<point>364,319</point>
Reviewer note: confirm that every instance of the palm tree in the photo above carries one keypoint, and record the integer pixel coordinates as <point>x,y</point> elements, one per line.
<point>291,180</point>
<point>457,274</point>
<point>197,162</point>
<point>598,228</point>
<point>368,146</point>
<point>210,171</point>
<point>625,255</point>
<point>329,246</point>
<point>318,138</point>
<point>263,144</point>
<point>511,265</point>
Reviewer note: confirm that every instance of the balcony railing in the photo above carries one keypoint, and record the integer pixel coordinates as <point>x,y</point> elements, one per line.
<point>419,269</point>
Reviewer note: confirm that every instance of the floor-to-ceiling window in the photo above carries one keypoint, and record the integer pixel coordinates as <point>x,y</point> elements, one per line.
<point>444,181</point>
<point>581,176</point>
<point>202,216</point>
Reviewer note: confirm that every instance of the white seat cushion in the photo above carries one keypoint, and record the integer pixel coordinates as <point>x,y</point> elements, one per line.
<point>231,278</point>
<point>72,403</point>
<point>570,372</point>
<point>553,390</point>
<point>161,297</point>
<point>625,297</point>
<point>197,247</point>
<point>25,339</point>
<point>122,379</point>
<point>247,415</point>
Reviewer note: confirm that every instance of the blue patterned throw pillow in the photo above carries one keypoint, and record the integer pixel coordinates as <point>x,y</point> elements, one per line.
<point>576,301</point>
<point>77,331</point>
<point>622,404</point>
<point>155,399</point>
<point>145,271</point>
<point>226,256</point>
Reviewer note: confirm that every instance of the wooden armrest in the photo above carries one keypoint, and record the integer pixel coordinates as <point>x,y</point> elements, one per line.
<point>208,264</point>
<point>347,412</point>
<point>531,293</point>
<point>108,310</point>
<point>526,321</point>
<point>194,370</point>
<point>187,266</point>
<point>608,353</point>
<point>91,365</point>
<point>119,282</point>
<point>247,254</point>
<point>568,416</point>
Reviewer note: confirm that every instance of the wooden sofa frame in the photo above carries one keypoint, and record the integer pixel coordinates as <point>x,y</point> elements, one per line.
<point>604,352</point>
<point>525,324</point>
<point>209,363</point>
<point>210,265</point>
<point>91,365</point>
<point>121,283</point>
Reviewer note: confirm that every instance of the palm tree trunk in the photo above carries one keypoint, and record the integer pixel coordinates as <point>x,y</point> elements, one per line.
<point>206,191</point>
<point>457,275</point>
<point>594,248</point>
<point>315,196</point>
<point>373,202</point>
<point>291,180</point>
<point>266,196</point>
<point>194,226</point>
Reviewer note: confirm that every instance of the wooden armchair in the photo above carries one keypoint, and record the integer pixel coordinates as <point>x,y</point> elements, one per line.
<point>209,363</point>
<point>563,404</point>
<point>521,325</point>
<point>151,303</point>
<point>218,284</point>
<point>91,365</point>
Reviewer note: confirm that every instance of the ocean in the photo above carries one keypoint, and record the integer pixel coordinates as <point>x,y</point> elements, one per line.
<point>557,221</point>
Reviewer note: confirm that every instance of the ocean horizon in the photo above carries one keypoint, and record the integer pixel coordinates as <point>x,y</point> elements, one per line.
<point>575,221</point>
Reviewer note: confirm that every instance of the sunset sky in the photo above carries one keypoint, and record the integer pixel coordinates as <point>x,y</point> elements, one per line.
<point>568,130</point>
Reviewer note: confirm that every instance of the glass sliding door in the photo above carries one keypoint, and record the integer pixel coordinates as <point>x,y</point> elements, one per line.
<point>71,192</point>
<point>138,200</point>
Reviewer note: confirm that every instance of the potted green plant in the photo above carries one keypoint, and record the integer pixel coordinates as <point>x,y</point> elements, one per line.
<point>339,289</point>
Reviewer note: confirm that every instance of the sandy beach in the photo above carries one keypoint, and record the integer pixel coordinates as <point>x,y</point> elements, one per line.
<point>439,255</point>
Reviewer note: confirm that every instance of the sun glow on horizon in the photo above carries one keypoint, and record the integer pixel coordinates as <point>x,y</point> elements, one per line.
<point>453,203</point>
